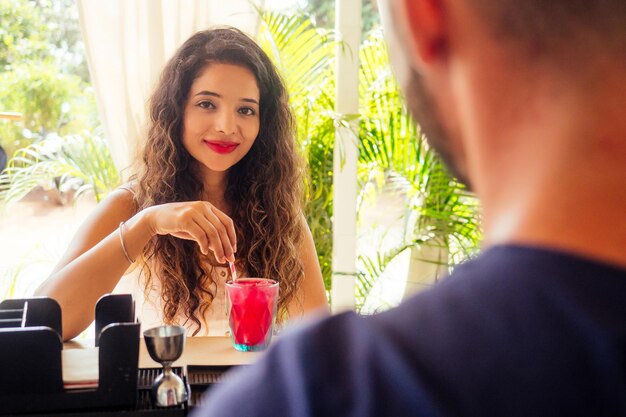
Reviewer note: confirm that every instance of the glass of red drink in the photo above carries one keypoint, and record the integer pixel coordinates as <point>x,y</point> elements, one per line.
<point>252,312</point>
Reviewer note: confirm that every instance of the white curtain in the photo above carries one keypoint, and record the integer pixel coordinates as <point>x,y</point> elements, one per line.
<point>128,43</point>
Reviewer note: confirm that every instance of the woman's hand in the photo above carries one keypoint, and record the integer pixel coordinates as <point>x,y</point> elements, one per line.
<point>199,221</point>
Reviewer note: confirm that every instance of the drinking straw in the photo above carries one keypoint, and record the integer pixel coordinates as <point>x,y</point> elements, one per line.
<point>233,270</point>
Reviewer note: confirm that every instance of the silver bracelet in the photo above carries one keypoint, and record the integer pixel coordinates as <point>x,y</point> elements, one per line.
<point>121,233</point>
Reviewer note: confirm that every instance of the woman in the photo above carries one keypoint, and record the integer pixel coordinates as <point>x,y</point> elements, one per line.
<point>219,175</point>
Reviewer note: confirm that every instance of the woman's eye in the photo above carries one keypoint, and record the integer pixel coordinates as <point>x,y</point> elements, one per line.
<point>247,111</point>
<point>206,105</point>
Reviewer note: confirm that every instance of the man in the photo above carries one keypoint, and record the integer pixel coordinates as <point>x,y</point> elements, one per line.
<point>526,102</point>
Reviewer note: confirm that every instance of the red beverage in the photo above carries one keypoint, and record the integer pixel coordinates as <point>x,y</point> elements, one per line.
<point>252,312</point>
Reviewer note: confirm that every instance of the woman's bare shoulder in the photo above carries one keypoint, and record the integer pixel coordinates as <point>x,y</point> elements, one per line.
<point>118,205</point>
<point>129,187</point>
<point>123,197</point>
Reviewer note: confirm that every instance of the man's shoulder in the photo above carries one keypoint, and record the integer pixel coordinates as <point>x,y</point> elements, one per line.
<point>512,306</point>
<point>515,323</point>
<point>511,284</point>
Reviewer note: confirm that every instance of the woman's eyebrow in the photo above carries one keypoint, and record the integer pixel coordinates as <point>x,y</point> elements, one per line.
<point>207,93</point>
<point>214,94</point>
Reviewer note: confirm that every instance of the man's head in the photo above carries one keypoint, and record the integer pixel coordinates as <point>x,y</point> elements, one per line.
<point>425,40</point>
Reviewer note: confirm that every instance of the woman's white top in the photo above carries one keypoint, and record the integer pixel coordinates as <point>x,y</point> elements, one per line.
<point>149,311</point>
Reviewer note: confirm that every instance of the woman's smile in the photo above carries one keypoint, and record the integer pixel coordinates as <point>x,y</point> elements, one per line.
<point>221,147</point>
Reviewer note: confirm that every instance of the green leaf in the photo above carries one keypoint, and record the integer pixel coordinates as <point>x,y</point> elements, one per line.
<point>55,162</point>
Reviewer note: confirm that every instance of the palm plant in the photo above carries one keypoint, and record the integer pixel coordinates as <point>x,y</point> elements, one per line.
<point>59,162</point>
<point>440,213</point>
<point>304,55</point>
<point>438,210</point>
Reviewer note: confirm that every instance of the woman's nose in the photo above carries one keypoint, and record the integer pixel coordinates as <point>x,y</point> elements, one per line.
<point>225,123</point>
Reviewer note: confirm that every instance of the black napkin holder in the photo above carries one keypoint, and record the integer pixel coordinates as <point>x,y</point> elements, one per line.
<point>31,379</point>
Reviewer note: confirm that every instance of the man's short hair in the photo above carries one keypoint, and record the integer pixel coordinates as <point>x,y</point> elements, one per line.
<point>560,27</point>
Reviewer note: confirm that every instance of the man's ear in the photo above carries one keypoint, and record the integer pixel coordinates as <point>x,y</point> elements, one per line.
<point>425,25</point>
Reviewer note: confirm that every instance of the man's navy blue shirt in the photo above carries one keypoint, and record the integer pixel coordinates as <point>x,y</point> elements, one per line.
<point>518,331</point>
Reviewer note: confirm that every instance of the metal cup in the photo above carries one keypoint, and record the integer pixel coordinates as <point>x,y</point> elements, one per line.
<point>165,345</point>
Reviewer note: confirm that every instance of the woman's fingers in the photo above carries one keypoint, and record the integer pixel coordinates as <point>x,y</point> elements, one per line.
<point>229,226</point>
<point>199,221</point>
<point>220,232</point>
<point>194,231</point>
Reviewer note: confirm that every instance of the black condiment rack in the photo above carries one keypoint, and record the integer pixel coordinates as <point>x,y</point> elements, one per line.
<point>31,377</point>
<point>31,381</point>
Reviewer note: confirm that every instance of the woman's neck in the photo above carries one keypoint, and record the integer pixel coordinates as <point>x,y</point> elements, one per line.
<point>215,188</point>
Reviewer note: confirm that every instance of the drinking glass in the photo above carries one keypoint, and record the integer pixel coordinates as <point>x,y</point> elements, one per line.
<point>252,312</point>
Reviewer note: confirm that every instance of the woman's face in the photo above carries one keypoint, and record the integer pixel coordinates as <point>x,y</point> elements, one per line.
<point>221,119</point>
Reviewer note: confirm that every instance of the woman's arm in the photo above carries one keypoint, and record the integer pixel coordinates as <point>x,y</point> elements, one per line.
<point>311,294</point>
<point>95,261</point>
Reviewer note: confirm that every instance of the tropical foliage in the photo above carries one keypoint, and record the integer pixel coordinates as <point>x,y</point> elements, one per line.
<point>49,101</point>
<point>392,149</point>
<point>439,211</point>
<point>304,55</point>
<point>78,163</point>
<point>43,73</point>
<point>42,31</point>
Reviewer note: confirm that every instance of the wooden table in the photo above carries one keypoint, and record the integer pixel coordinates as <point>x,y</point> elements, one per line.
<point>211,350</point>
<point>202,351</point>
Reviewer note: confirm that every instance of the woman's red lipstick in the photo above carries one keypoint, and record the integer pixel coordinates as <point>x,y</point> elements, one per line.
<point>221,147</point>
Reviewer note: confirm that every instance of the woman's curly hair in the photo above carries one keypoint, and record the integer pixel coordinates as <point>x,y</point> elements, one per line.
<point>264,189</point>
